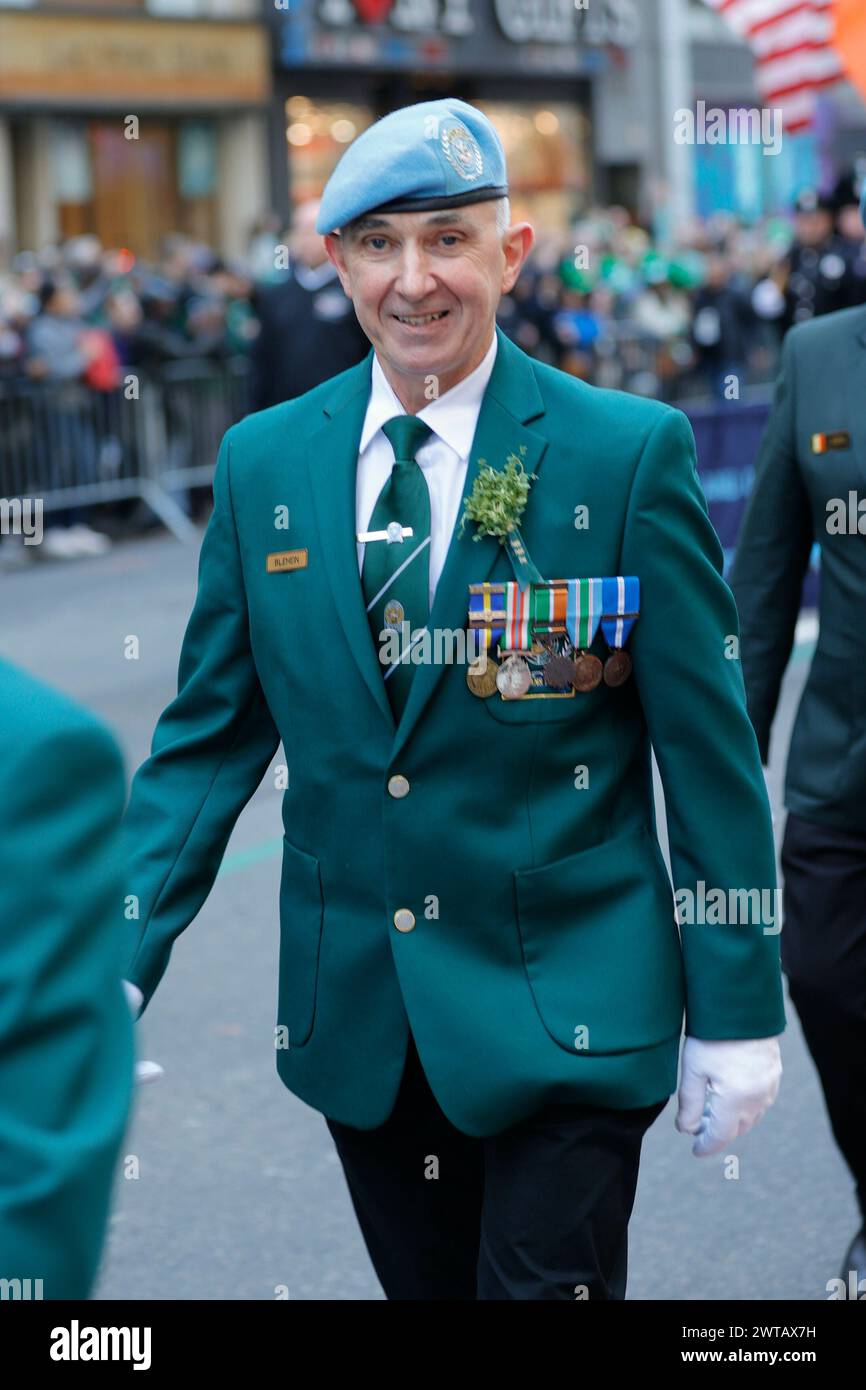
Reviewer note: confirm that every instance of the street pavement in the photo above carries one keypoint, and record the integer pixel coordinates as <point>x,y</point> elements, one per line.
<point>229,1186</point>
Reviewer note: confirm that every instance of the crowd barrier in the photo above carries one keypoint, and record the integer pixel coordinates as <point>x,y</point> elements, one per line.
<point>153,437</point>
<point>158,435</point>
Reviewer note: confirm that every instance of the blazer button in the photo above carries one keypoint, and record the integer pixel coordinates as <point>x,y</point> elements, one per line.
<point>404,920</point>
<point>398,786</point>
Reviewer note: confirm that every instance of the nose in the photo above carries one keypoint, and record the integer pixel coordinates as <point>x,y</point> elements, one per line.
<point>414,279</point>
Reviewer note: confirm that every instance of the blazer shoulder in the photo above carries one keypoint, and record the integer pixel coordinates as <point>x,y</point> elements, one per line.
<point>277,424</point>
<point>625,419</point>
<point>37,718</point>
<point>827,332</point>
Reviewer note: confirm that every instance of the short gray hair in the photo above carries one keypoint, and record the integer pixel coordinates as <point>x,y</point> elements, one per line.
<point>503,215</point>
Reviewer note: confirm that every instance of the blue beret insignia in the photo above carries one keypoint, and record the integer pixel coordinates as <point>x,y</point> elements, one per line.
<point>462,151</point>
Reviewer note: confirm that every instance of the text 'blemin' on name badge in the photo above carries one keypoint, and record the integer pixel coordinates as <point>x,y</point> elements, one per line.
<point>280,560</point>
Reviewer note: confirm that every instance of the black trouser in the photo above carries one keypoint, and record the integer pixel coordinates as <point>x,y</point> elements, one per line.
<point>824,957</point>
<point>539,1211</point>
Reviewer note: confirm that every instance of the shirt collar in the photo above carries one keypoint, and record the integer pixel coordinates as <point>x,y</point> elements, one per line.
<point>453,416</point>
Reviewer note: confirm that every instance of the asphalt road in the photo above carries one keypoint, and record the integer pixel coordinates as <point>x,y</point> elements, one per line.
<point>239,1189</point>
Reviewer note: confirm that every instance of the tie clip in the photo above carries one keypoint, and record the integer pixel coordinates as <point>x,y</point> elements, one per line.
<point>394,532</point>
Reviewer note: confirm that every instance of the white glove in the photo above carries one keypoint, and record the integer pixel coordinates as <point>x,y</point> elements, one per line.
<point>134,997</point>
<point>725,1087</point>
<point>144,1071</point>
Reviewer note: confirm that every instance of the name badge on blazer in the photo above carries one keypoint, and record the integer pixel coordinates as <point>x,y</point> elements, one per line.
<point>836,439</point>
<point>280,560</point>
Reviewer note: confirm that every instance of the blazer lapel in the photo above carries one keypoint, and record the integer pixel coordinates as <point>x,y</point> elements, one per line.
<point>512,398</point>
<point>332,459</point>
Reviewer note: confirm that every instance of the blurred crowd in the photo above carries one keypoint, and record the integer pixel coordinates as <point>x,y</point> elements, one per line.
<point>719,300</point>
<point>603,302</point>
<point>79,311</point>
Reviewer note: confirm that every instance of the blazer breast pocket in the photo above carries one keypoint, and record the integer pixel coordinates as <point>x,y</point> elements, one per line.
<point>537,709</point>
<point>601,947</point>
<point>301,918</point>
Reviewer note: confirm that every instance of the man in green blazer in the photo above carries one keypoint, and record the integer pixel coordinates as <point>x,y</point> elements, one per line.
<point>810,485</point>
<point>65,1029</point>
<point>481,981</point>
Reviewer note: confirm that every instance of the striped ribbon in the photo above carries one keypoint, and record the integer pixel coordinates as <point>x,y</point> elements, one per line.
<point>511,614</point>
<point>621,606</point>
<point>518,612</point>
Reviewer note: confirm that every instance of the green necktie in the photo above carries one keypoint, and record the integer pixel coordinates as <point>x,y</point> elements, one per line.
<point>396,573</point>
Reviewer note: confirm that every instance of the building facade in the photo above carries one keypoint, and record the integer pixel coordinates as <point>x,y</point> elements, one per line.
<point>132,120</point>
<point>534,66</point>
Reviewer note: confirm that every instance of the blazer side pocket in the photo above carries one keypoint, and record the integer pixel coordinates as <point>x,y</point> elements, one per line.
<point>301,917</point>
<point>601,947</point>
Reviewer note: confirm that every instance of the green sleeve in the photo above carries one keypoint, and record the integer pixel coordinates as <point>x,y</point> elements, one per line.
<point>773,548</point>
<point>210,749</point>
<point>66,1048</point>
<point>691,689</point>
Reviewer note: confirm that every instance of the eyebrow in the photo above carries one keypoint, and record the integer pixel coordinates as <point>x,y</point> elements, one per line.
<point>437,219</point>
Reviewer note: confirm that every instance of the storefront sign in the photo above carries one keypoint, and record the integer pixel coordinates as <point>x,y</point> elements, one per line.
<point>62,59</point>
<point>410,16</point>
<point>557,38</point>
<point>520,21</point>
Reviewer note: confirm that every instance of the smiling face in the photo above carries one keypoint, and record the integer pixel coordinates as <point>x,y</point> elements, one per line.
<point>426,285</point>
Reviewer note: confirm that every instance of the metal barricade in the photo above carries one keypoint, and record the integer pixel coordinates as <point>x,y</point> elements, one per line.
<point>153,437</point>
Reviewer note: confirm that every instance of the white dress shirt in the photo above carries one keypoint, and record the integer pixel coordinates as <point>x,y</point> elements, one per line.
<point>444,458</point>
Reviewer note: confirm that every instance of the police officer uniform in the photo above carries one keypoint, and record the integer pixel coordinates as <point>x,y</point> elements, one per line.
<point>308,332</point>
<point>481,983</point>
<point>810,476</point>
<point>820,278</point>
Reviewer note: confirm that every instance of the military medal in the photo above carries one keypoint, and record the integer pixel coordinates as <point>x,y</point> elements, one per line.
<point>481,676</point>
<point>513,678</point>
<point>621,601</point>
<point>617,668</point>
<point>558,668</point>
<point>587,671</point>
<point>511,615</point>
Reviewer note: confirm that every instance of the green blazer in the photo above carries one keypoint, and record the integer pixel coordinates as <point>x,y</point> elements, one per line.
<point>66,1050</point>
<point>540,910</point>
<point>820,391</point>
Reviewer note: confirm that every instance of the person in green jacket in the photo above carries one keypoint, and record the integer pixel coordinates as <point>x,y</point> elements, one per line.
<point>810,486</point>
<point>66,1044</point>
<point>481,982</point>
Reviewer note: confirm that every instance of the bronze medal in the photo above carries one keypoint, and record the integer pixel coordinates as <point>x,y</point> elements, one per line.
<point>617,668</point>
<point>558,670</point>
<point>588,671</point>
<point>481,677</point>
<point>513,678</point>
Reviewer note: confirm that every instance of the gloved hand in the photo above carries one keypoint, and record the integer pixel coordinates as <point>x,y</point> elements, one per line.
<point>134,997</point>
<point>144,1071</point>
<point>725,1087</point>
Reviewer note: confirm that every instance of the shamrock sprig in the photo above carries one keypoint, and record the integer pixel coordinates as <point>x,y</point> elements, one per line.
<point>498,499</point>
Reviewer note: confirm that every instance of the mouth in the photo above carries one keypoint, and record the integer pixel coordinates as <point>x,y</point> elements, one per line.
<point>421,320</point>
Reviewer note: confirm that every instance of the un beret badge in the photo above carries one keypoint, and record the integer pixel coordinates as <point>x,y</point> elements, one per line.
<point>462,152</point>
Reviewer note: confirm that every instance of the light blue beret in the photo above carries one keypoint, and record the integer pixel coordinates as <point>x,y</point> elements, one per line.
<point>436,154</point>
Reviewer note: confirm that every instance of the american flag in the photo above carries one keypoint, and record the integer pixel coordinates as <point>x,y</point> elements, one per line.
<point>793,48</point>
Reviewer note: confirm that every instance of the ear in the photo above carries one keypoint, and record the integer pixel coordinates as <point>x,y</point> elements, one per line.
<point>337,255</point>
<point>516,246</point>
